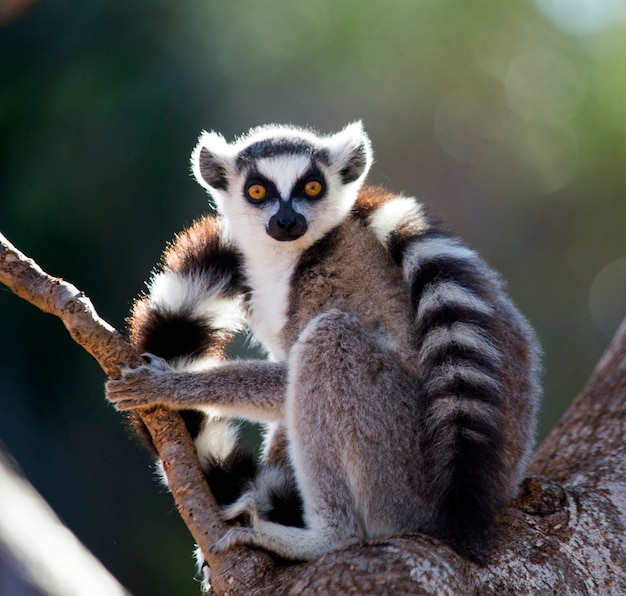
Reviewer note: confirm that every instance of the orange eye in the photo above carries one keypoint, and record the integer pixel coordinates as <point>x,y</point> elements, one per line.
<point>256,192</point>
<point>313,188</point>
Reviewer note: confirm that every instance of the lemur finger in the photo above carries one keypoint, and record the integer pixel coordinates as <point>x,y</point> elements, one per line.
<point>127,383</point>
<point>233,537</point>
<point>139,374</point>
<point>122,406</point>
<point>113,387</point>
<point>125,405</point>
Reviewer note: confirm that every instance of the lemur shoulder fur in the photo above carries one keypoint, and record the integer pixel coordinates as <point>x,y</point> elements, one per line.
<point>401,384</point>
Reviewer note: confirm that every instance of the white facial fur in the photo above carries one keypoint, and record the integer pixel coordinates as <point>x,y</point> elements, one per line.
<point>247,222</point>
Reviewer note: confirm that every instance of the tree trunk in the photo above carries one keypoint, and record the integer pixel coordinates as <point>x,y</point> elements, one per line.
<point>565,533</point>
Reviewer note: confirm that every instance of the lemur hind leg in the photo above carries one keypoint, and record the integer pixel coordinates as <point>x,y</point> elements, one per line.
<point>351,417</point>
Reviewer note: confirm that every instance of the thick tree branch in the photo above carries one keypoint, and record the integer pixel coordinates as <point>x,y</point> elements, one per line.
<point>567,528</point>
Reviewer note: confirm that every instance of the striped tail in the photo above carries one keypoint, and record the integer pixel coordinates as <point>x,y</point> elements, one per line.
<point>456,305</point>
<point>193,308</point>
<point>452,295</point>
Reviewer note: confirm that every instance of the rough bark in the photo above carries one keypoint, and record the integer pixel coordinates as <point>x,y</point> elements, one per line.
<point>566,531</point>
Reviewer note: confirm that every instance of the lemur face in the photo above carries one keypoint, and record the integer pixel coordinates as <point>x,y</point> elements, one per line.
<point>287,183</point>
<point>286,188</point>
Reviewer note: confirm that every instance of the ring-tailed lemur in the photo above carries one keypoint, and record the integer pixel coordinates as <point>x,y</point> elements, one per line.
<point>401,379</point>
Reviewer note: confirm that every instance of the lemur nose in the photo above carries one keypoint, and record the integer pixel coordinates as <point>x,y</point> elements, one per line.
<point>286,222</point>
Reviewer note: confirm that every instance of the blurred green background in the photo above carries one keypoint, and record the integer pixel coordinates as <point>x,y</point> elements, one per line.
<point>508,119</point>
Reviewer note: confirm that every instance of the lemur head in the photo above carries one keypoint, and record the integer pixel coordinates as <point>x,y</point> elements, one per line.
<point>290,184</point>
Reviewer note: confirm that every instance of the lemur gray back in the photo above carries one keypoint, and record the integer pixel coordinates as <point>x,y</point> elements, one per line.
<point>299,240</point>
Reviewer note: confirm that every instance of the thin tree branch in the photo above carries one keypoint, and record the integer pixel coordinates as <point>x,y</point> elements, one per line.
<point>192,496</point>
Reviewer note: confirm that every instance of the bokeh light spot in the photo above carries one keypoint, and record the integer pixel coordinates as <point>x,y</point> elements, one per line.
<point>583,17</point>
<point>547,157</point>
<point>543,85</point>
<point>607,296</point>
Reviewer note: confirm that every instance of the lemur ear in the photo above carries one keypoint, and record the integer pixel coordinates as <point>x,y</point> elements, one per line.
<point>352,150</point>
<point>211,161</point>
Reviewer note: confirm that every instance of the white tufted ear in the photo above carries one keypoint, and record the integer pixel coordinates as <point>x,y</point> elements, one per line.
<point>351,150</point>
<point>212,161</point>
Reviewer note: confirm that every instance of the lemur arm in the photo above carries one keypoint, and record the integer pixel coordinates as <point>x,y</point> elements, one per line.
<point>253,389</point>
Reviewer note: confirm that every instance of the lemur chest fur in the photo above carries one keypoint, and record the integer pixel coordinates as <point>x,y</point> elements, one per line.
<point>268,305</point>
<point>349,270</point>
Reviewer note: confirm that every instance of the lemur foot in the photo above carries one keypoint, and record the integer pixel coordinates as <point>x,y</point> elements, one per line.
<point>245,505</point>
<point>235,536</point>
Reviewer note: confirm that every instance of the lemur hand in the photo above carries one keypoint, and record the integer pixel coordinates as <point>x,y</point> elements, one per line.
<point>142,386</point>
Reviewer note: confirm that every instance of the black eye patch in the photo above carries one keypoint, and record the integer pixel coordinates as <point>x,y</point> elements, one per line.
<point>254,179</point>
<point>313,174</point>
